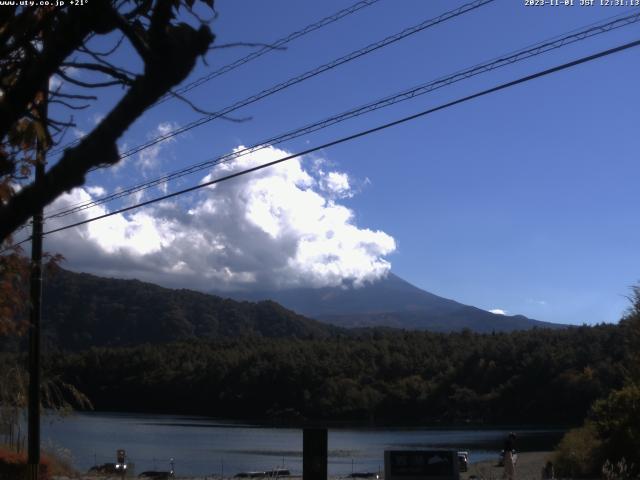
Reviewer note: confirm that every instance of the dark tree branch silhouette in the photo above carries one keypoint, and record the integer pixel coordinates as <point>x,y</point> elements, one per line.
<point>38,43</point>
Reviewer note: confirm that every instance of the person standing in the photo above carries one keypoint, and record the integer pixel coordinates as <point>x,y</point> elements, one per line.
<point>547,471</point>
<point>509,463</point>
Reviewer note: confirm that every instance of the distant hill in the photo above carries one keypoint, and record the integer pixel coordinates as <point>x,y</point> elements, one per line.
<point>390,302</point>
<point>82,310</point>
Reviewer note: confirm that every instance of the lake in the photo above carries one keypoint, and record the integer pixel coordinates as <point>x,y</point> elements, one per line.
<point>204,446</point>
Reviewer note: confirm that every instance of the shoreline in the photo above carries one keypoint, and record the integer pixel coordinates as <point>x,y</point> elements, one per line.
<point>285,423</point>
<point>528,467</point>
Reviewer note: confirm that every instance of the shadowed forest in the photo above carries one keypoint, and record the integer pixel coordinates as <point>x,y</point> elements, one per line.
<point>538,376</point>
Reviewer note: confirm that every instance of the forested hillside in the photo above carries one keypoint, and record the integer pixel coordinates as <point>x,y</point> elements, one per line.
<point>82,310</point>
<point>537,376</point>
<point>140,347</point>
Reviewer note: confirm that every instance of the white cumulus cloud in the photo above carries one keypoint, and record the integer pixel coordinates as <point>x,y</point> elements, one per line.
<point>274,228</point>
<point>149,158</point>
<point>498,311</point>
<point>337,184</point>
<point>95,191</point>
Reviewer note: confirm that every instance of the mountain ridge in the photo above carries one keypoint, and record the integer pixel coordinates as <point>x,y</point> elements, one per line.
<point>81,310</point>
<point>390,302</point>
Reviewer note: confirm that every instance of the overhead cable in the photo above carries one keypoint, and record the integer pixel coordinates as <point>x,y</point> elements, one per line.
<point>348,138</point>
<point>278,44</point>
<point>307,75</point>
<point>499,62</point>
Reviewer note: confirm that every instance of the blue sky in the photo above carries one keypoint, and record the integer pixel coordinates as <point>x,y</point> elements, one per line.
<point>523,201</point>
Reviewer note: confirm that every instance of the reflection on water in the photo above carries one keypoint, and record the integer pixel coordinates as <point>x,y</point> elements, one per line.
<point>202,446</point>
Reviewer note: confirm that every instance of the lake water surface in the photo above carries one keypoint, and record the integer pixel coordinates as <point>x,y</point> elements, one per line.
<point>205,446</point>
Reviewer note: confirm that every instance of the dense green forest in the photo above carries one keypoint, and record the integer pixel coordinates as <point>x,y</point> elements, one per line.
<point>531,377</point>
<point>82,310</point>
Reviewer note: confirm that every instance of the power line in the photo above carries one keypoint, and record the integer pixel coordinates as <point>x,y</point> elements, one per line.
<point>278,44</point>
<point>554,43</point>
<point>312,73</point>
<point>423,113</point>
<point>508,59</point>
<point>307,75</point>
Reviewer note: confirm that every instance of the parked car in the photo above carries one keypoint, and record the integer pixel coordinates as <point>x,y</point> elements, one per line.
<point>105,468</point>
<point>278,472</point>
<point>363,475</point>
<point>463,460</point>
<point>154,475</point>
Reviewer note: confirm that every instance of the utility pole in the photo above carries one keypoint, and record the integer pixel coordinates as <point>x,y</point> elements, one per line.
<point>35,296</point>
<point>314,453</point>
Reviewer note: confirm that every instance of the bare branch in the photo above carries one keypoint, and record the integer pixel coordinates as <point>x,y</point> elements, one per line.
<point>108,52</point>
<point>55,127</point>
<point>73,96</point>
<point>68,105</point>
<point>51,121</point>
<point>139,43</point>
<point>102,61</point>
<point>102,69</point>
<point>80,83</point>
<point>62,134</point>
<point>206,112</point>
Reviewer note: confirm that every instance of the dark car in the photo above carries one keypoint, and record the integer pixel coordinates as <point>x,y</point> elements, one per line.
<point>463,460</point>
<point>154,475</point>
<point>278,472</point>
<point>363,475</point>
